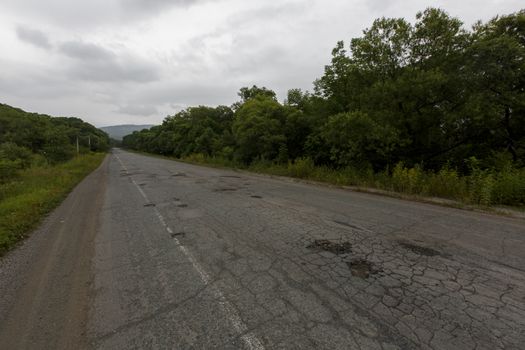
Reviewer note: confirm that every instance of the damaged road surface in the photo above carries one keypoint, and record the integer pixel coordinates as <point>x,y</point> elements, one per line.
<point>152,253</point>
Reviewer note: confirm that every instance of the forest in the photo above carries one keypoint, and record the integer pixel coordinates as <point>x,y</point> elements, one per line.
<point>39,165</point>
<point>31,139</point>
<point>428,107</point>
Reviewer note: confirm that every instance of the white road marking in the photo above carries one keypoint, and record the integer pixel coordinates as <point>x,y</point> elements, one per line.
<point>249,338</point>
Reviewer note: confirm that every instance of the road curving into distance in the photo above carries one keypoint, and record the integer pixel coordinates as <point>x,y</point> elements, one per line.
<point>152,253</point>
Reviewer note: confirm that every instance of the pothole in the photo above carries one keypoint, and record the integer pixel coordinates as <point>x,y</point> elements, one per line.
<point>337,248</point>
<point>255,196</point>
<point>361,268</point>
<point>149,204</point>
<point>232,176</point>
<point>182,205</point>
<point>178,234</point>
<point>226,189</point>
<point>419,249</point>
<point>178,174</point>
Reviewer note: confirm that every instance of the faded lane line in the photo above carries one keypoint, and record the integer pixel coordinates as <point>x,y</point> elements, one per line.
<point>249,338</point>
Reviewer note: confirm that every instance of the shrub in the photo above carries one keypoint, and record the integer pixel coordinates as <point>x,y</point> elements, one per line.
<point>9,169</point>
<point>408,180</point>
<point>447,184</point>
<point>480,183</point>
<point>509,186</point>
<point>301,168</point>
<point>10,151</point>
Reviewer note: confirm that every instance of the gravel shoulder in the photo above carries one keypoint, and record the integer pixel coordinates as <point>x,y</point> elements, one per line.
<point>45,282</point>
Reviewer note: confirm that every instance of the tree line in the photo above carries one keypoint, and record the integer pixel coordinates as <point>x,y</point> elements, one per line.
<point>28,139</point>
<point>430,94</point>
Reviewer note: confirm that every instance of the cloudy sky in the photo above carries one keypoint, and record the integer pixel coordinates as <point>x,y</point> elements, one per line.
<point>136,61</point>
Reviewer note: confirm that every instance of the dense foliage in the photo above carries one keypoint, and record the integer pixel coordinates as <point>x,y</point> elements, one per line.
<point>29,138</point>
<point>431,95</point>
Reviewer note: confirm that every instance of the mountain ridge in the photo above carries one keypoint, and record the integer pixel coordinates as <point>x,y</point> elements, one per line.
<point>117,132</point>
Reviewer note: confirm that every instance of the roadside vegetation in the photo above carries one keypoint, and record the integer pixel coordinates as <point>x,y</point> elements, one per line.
<point>428,108</point>
<point>39,165</point>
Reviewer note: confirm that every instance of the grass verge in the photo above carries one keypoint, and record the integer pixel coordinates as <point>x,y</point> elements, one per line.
<point>481,189</point>
<point>25,200</point>
<point>500,192</point>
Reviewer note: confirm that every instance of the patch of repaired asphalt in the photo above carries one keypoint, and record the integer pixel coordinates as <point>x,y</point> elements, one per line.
<point>336,248</point>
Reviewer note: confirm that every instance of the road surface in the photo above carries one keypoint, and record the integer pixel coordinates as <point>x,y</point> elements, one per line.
<point>148,253</point>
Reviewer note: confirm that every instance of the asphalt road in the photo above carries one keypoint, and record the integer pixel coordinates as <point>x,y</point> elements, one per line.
<point>148,253</point>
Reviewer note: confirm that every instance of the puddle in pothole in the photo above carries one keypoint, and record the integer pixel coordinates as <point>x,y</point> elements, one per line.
<point>419,249</point>
<point>361,268</point>
<point>335,247</point>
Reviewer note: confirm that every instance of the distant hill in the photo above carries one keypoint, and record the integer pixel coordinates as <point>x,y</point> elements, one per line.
<point>117,132</point>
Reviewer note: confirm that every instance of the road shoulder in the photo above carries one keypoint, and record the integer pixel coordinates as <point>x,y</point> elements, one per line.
<point>45,282</point>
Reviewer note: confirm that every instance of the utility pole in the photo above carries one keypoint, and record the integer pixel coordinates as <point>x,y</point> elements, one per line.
<point>89,142</point>
<point>78,148</point>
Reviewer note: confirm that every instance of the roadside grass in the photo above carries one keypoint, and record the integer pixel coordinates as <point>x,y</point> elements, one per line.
<point>26,199</point>
<point>481,188</point>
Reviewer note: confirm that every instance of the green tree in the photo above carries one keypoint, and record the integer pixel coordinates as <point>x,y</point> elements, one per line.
<point>258,129</point>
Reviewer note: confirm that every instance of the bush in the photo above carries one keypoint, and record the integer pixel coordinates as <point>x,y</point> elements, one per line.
<point>509,187</point>
<point>408,180</point>
<point>10,151</point>
<point>9,169</point>
<point>301,168</point>
<point>480,183</point>
<point>447,184</point>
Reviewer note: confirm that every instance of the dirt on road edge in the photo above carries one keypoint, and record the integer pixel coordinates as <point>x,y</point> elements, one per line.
<point>45,283</point>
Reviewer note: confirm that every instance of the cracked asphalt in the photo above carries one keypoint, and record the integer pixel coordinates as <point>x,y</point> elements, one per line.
<point>190,257</point>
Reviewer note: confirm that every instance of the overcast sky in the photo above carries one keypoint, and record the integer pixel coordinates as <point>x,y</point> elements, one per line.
<point>136,61</point>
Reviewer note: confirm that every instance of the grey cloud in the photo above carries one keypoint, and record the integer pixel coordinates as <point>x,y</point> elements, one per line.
<point>137,109</point>
<point>33,36</point>
<point>114,71</point>
<point>155,5</point>
<point>93,13</point>
<point>85,51</point>
<point>30,82</point>
<point>187,93</point>
<point>93,62</point>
